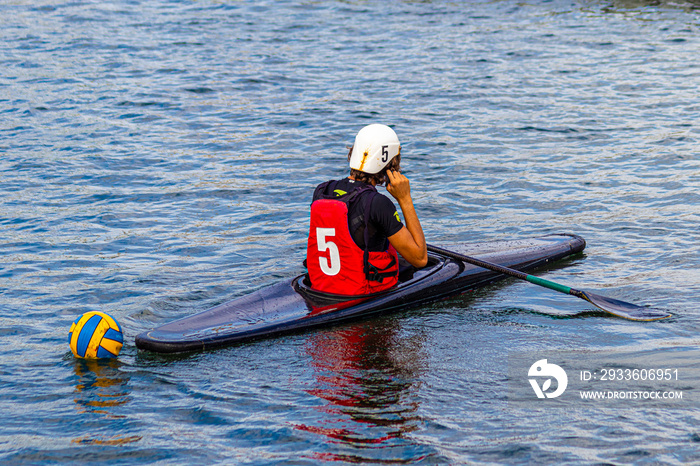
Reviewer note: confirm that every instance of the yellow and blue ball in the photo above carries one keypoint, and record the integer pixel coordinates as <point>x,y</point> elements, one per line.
<point>95,335</point>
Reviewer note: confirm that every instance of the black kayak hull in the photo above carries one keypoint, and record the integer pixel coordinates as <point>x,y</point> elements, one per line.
<point>291,305</point>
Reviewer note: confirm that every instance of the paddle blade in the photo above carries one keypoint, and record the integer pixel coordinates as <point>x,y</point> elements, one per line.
<point>621,308</point>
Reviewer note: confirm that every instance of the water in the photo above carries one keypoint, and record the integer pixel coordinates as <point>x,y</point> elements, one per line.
<point>158,158</point>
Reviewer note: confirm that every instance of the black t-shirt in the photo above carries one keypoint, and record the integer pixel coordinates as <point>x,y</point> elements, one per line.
<point>384,219</point>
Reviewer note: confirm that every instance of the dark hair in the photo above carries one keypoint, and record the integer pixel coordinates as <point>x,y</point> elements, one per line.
<point>380,178</point>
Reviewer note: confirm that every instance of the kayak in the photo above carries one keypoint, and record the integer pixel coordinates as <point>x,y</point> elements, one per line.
<point>292,306</point>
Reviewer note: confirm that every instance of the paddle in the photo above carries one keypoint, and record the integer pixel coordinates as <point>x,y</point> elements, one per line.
<point>613,306</point>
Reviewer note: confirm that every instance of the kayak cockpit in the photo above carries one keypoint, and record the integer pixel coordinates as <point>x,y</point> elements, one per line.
<point>408,275</point>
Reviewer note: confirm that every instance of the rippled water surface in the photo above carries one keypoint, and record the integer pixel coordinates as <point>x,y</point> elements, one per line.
<point>157,158</point>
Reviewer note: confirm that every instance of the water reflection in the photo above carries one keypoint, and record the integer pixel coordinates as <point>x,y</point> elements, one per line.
<point>368,377</point>
<point>101,389</point>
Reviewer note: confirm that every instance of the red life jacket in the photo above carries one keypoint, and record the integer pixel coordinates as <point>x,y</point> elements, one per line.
<point>335,262</point>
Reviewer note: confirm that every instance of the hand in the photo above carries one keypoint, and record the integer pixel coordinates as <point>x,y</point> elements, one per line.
<point>398,185</point>
<point>410,240</point>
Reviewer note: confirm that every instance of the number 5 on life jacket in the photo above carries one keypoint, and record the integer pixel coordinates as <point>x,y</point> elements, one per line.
<point>336,263</point>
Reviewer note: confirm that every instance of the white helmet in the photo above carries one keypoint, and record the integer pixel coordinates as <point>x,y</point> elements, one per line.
<point>375,146</point>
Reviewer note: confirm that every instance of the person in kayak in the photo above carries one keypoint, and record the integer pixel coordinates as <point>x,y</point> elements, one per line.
<point>355,232</point>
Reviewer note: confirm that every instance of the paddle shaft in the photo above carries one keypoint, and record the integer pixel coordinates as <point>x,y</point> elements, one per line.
<point>610,305</point>
<point>507,271</point>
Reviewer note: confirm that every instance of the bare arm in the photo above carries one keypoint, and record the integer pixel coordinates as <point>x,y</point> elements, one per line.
<point>410,240</point>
